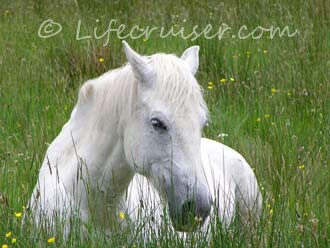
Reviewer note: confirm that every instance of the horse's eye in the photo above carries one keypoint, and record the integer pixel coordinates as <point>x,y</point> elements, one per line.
<point>156,123</point>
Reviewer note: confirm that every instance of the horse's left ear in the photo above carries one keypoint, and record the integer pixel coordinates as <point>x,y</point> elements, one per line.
<point>190,56</point>
<point>142,70</point>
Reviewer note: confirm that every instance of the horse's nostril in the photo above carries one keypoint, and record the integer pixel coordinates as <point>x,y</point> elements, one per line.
<point>188,214</point>
<point>191,214</point>
<point>189,207</point>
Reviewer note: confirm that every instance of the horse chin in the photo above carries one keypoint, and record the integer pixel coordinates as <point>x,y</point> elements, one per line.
<point>192,225</point>
<point>185,228</point>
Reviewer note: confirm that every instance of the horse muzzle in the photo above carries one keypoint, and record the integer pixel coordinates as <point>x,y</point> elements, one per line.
<point>191,213</point>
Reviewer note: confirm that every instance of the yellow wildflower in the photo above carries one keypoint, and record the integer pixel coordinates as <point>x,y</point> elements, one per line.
<point>265,51</point>
<point>14,240</point>
<point>289,94</point>
<point>232,79</point>
<point>271,211</point>
<point>210,87</point>
<point>301,167</point>
<point>223,80</point>
<point>8,234</point>
<point>4,246</point>
<point>101,60</point>
<point>258,119</point>
<point>210,83</point>
<point>267,115</point>
<point>274,90</point>
<point>121,215</point>
<point>18,214</point>
<point>51,240</point>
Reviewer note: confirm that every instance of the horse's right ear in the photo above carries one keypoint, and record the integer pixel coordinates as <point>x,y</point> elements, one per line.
<point>142,70</point>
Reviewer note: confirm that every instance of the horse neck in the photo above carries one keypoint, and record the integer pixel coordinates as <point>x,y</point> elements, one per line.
<point>100,145</point>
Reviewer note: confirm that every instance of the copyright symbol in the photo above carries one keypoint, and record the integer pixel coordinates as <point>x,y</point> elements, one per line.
<point>49,28</point>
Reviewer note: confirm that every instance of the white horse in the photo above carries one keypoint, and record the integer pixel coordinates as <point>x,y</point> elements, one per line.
<point>145,117</point>
<point>230,179</point>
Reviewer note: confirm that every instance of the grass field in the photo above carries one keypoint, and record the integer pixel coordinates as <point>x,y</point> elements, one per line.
<point>270,95</point>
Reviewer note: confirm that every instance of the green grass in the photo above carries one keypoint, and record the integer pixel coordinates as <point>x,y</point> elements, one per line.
<point>39,80</point>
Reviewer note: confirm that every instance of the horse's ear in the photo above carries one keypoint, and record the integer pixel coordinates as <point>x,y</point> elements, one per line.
<point>190,56</point>
<point>142,70</point>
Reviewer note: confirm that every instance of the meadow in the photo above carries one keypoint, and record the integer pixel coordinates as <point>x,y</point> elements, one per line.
<point>268,97</point>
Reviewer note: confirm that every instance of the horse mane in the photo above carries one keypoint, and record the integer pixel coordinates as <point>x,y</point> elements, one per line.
<point>115,92</point>
<point>175,84</point>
